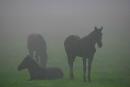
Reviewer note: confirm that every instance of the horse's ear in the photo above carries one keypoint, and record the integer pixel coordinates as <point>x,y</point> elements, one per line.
<point>95,29</point>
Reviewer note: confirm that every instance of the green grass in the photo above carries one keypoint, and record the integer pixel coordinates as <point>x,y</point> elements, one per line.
<point>111,67</point>
<point>14,79</point>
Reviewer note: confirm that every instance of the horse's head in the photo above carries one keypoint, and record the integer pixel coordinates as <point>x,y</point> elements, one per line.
<point>26,63</point>
<point>98,36</point>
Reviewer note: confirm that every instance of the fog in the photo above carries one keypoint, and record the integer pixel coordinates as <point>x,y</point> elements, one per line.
<point>56,19</point>
<point>59,17</point>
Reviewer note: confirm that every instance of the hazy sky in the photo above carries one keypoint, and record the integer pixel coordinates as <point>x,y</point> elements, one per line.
<point>63,17</point>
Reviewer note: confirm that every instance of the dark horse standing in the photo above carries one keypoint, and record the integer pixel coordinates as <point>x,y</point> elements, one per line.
<point>83,47</point>
<point>37,47</point>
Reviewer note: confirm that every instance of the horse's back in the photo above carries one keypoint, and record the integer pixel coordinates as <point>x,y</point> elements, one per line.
<point>54,73</point>
<point>71,41</point>
<point>36,42</point>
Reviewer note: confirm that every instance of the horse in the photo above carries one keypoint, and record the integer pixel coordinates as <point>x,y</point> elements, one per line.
<point>37,47</point>
<point>38,73</point>
<point>83,47</point>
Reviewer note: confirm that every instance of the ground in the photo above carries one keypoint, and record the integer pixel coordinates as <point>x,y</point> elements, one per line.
<point>110,68</point>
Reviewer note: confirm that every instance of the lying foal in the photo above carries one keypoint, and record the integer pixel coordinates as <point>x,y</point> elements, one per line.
<point>38,73</point>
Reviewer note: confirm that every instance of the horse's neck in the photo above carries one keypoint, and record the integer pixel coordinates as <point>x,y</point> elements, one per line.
<point>89,39</point>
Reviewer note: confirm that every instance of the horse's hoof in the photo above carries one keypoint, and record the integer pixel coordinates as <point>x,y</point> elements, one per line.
<point>29,79</point>
<point>85,80</point>
<point>71,78</point>
<point>89,80</point>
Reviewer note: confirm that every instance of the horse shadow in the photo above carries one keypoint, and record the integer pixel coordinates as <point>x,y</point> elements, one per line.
<point>38,73</point>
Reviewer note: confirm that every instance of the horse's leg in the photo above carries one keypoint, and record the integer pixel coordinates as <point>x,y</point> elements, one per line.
<point>89,68</point>
<point>30,52</point>
<point>43,59</point>
<point>37,56</point>
<point>84,69</point>
<point>70,62</point>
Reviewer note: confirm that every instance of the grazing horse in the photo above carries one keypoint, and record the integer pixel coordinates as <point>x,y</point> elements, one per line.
<point>38,73</point>
<point>83,47</point>
<point>37,47</point>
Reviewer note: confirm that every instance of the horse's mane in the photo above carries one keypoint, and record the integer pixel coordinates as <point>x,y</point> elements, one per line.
<point>90,35</point>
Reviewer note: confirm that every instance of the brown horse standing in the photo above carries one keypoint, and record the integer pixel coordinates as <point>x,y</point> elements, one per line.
<point>37,48</point>
<point>83,47</point>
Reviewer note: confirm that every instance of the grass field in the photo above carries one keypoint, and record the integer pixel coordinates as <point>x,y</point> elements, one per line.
<point>111,66</point>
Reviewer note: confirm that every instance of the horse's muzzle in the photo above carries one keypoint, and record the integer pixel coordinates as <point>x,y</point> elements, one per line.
<point>100,45</point>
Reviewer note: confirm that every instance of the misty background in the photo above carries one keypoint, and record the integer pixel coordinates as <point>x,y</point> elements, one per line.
<point>57,19</point>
